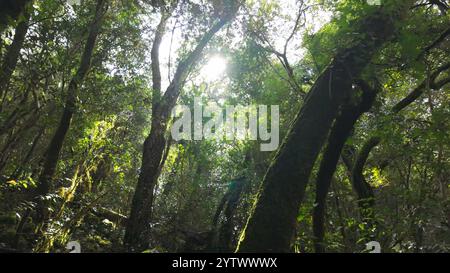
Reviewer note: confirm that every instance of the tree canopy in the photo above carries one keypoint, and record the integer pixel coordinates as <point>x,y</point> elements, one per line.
<point>89,93</point>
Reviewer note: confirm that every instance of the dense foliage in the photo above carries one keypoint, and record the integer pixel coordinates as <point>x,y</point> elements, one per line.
<point>86,92</point>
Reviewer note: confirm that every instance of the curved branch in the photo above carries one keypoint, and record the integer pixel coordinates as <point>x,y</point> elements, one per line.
<point>366,197</point>
<point>419,90</point>
<point>436,42</point>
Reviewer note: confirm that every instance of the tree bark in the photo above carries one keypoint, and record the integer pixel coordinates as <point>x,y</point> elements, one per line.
<point>13,53</point>
<point>271,226</point>
<point>138,227</point>
<point>341,130</point>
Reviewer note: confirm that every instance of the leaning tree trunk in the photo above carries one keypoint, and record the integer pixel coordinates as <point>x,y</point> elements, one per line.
<point>271,225</point>
<point>12,54</point>
<point>137,232</point>
<point>53,151</point>
<point>342,129</point>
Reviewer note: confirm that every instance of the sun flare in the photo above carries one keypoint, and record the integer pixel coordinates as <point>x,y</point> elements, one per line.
<point>214,68</point>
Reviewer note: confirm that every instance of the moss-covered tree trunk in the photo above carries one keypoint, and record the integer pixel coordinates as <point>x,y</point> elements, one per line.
<point>342,129</point>
<point>51,156</point>
<point>271,225</point>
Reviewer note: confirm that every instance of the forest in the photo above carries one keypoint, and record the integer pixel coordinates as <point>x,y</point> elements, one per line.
<point>224,126</point>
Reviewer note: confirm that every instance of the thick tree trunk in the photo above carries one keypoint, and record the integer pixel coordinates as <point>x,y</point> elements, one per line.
<point>271,225</point>
<point>53,151</point>
<point>137,233</point>
<point>342,129</point>
<point>12,55</point>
